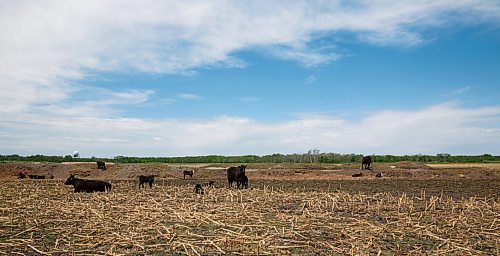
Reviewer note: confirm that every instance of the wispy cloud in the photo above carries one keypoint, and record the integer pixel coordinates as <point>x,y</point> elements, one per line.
<point>47,48</point>
<point>95,101</point>
<point>167,101</point>
<point>440,128</point>
<point>310,79</point>
<point>460,90</point>
<point>249,98</point>
<point>189,96</point>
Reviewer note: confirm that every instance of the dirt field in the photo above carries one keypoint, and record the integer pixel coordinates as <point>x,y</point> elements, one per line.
<point>414,209</point>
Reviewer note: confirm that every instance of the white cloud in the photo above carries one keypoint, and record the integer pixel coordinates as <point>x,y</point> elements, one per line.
<point>97,102</point>
<point>189,96</point>
<point>167,101</point>
<point>460,90</point>
<point>310,79</point>
<point>46,47</point>
<point>440,128</point>
<point>249,98</point>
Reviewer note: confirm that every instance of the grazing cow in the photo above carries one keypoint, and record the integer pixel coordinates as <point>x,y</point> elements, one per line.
<point>244,182</point>
<point>379,175</point>
<point>21,175</point>
<point>36,177</point>
<point>198,189</point>
<point>357,175</point>
<point>188,172</point>
<point>210,183</point>
<point>88,186</point>
<point>101,165</point>
<point>146,179</point>
<point>235,174</point>
<point>367,161</point>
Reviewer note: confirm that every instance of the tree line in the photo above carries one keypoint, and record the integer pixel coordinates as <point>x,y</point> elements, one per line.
<point>334,158</point>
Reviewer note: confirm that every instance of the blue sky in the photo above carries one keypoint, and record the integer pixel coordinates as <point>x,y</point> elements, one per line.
<point>163,78</point>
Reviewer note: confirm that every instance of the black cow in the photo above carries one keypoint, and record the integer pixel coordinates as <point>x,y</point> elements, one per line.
<point>36,177</point>
<point>188,172</point>
<point>88,186</point>
<point>367,161</point>
<point>357,175</point>
<point>210,183</point>
<point>101,165</point>
<point>379,175</point>
<point>235,174</point>
<point>21,175</point>
<point>244,182</point>
<point>198,189</point>
<point>146,179</point>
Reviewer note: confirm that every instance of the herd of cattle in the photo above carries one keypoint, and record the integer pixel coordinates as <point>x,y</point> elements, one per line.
<point>234,174</point>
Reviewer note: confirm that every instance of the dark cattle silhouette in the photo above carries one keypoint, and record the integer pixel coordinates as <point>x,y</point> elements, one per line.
<point>367,161</point>
<point>21,175</point>
<point>357,175</point>
<point>244,182</point>
<point>198,189</point>
<point>88,186</point>
<point>235,174</point>
<point>210,183</point>
<point>101,165</point>
<point>189,173</point>
<point>379,175</point>
<point>146,179</point>
<point>36,177</point>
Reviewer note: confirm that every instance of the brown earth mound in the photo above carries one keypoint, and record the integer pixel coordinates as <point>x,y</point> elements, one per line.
<point>410,165</point>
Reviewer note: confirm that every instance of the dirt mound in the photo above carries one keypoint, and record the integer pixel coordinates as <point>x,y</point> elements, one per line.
<point>410,165</point>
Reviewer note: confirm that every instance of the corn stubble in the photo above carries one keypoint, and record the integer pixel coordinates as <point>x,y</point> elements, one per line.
<point>47,218</point>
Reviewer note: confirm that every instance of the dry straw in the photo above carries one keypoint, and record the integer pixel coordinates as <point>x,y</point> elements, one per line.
<point>47,218</point>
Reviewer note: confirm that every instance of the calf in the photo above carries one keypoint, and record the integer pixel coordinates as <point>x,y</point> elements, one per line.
<point>188,172</point>
<point>36,177</point>
<point>88,186</point>
<point>146,179</point>
<point>198,189</point>
<point>379,175</point>
<point>235,173</point>
<point>210,183</point>
<point>243,182</point>
<point>101,165</point>
<point>367,161</point>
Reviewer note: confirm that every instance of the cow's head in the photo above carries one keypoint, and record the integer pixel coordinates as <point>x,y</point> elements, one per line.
<point>70,180</point>
<point>242,168</point>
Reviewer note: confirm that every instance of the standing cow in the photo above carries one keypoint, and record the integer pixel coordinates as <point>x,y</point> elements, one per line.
<point>244,182</point>
<point>236,174</point>
<point>101,165</point>
<point>146,179</point>
<point>198,189</point>
<point>189,173</point>
<point>88,186</point>
<point>367,161</point>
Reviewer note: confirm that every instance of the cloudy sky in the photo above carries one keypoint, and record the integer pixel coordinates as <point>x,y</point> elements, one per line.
<point>174,78</point>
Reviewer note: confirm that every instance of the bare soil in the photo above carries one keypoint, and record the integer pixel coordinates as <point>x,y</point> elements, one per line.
<point>289,209</point>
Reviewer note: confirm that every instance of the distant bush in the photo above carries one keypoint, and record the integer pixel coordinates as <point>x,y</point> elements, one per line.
<point>275,158</point>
